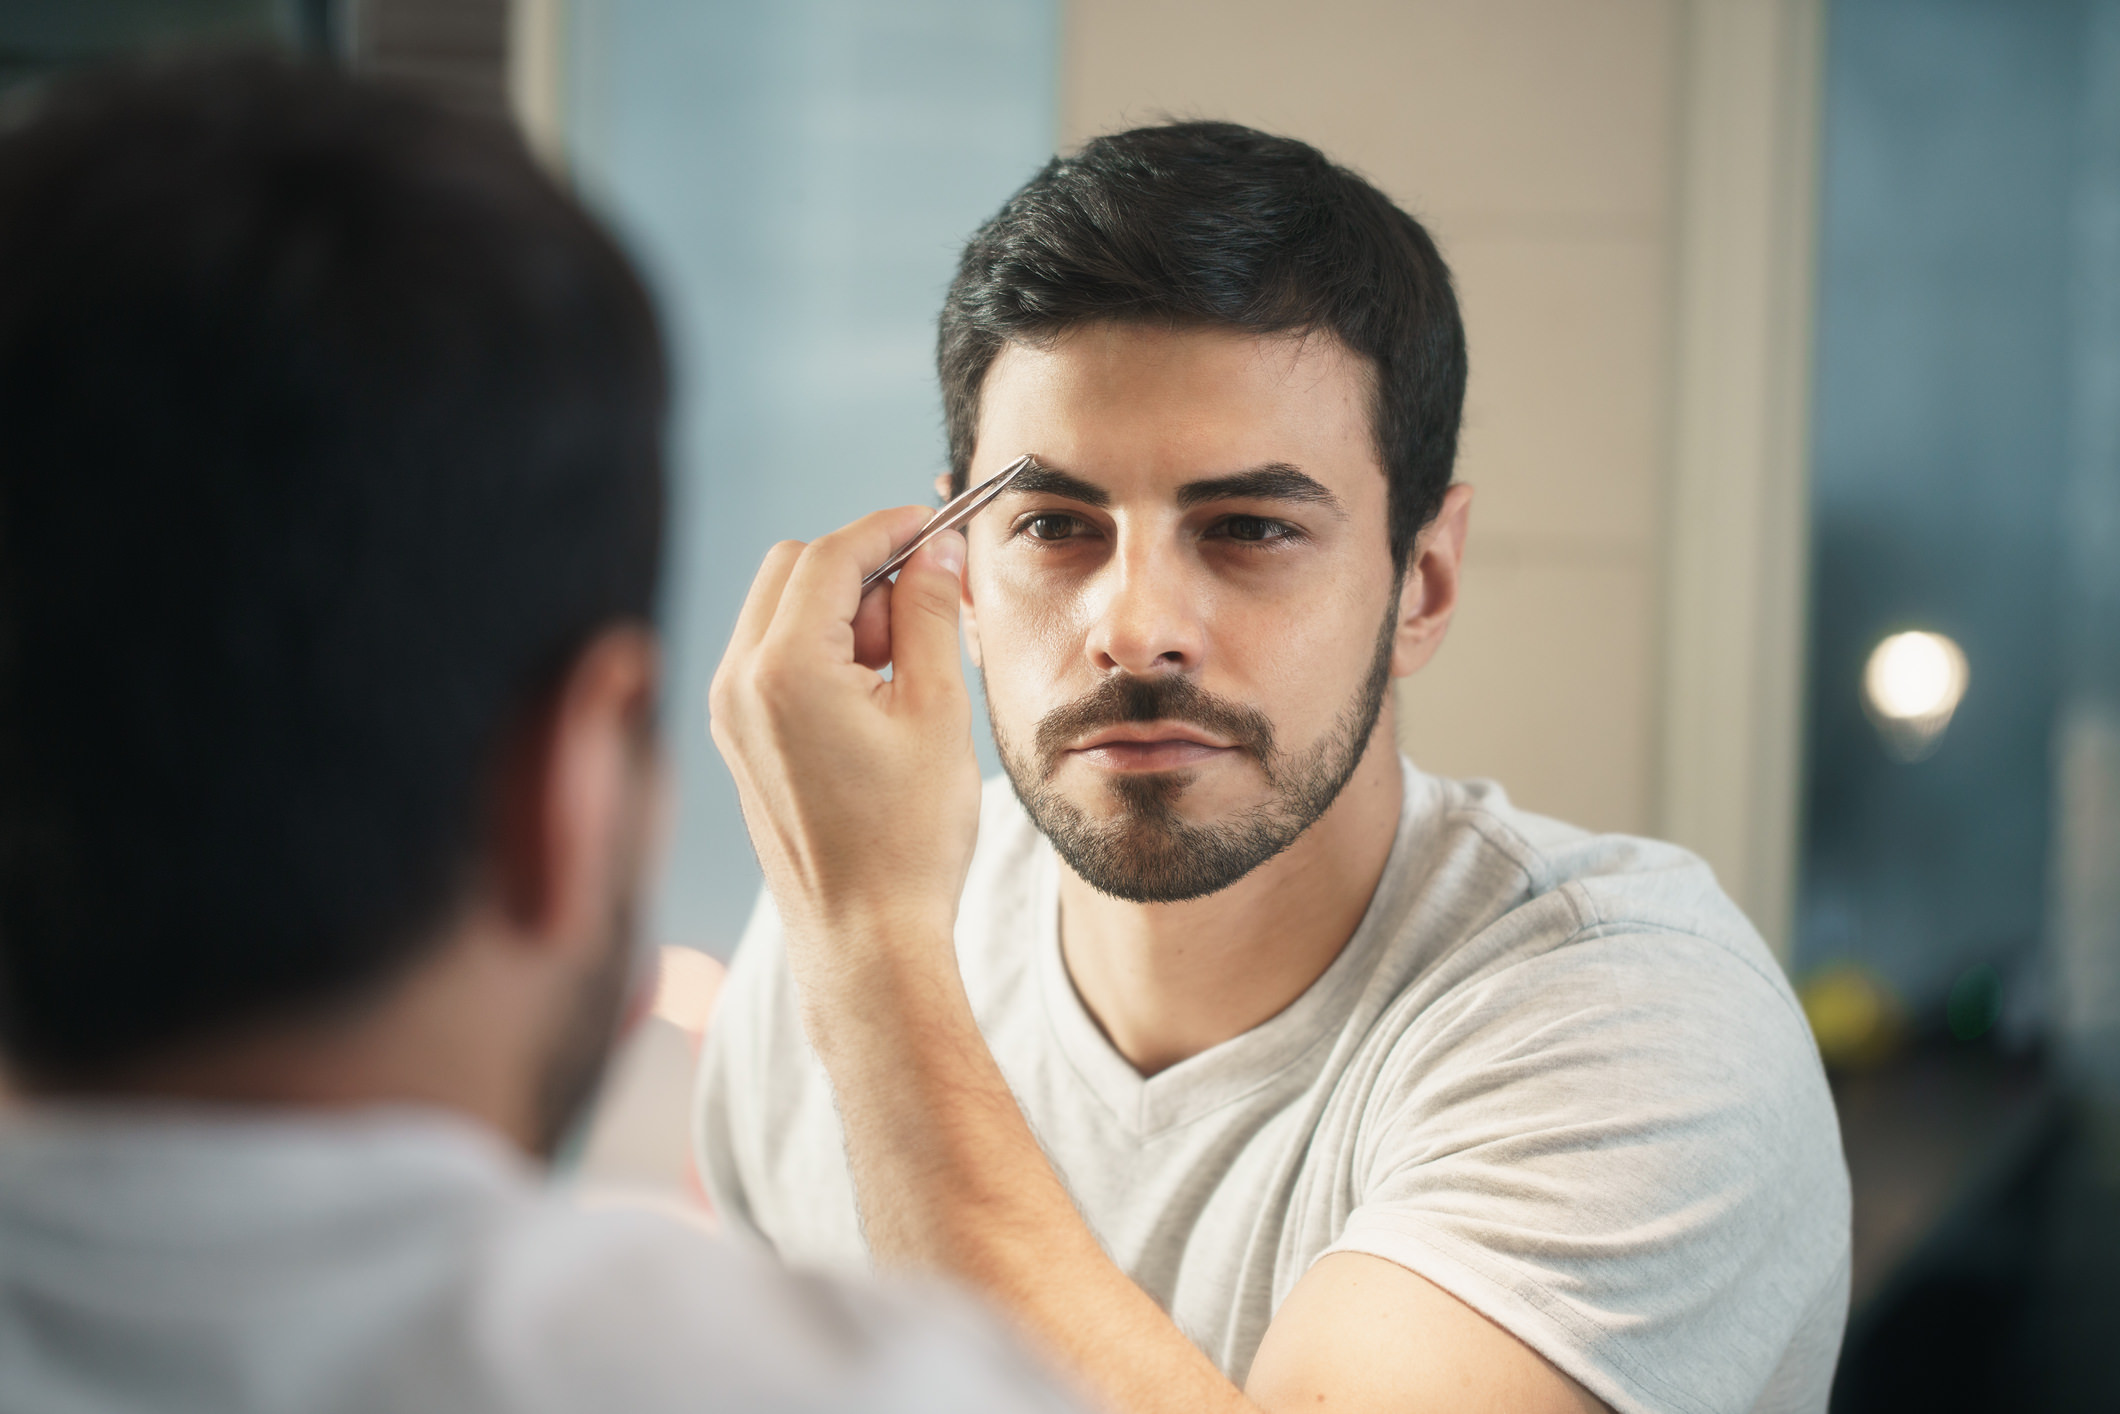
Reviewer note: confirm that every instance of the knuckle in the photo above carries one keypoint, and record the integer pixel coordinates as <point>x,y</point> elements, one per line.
<point>772,682</point>
<point>721,692</point>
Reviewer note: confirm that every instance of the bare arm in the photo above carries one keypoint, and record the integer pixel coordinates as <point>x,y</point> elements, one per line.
<point>862,796</point>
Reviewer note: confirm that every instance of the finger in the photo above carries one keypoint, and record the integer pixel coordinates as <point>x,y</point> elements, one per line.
<point>924,652</point>
<point>872,628</point>
<point>752,623</point>
<point>823,592</point>
<point>767,586</point>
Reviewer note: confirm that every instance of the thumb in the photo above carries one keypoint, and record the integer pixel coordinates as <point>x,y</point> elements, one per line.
<point>924,617</point>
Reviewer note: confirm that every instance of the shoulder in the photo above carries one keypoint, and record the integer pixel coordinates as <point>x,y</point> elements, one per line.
<point>628,1309</point>
<point>1595,1112</point>
<point>1599,952</point>
<point>1522,886</point>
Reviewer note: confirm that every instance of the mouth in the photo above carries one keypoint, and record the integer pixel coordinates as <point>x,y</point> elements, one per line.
<point>1150,746</point>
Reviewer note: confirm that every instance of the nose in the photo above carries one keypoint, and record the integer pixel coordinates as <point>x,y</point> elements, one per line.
<point>1148,617</point>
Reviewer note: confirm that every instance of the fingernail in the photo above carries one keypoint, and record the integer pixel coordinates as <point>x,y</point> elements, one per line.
<point>949,551</point>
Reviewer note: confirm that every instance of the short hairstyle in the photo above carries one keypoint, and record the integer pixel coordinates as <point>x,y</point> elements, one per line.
<point>1216,225</point>
<point>332,434</point>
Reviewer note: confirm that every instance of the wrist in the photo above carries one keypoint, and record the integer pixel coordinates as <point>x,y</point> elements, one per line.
<point>863,981</point>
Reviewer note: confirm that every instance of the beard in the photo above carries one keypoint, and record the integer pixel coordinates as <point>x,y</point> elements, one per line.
<point>1149,853</point>
<point>580,1049</point>
<point>574,1066</point>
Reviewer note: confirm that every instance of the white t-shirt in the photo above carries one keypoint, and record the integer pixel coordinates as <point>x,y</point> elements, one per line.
<point>402,1261</point>
<point>1555,1073</point>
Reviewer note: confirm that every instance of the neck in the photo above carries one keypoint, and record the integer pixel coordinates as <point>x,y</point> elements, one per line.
<point>1167,981</point>
<point>414,1045</point>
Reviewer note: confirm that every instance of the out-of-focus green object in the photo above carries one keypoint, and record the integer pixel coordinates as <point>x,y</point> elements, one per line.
<point>1854,1016</point>
<point>1976,1003</point>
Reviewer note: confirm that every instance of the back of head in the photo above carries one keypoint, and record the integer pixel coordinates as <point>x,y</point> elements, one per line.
<point>333,430</point>
<point>1217,225</point>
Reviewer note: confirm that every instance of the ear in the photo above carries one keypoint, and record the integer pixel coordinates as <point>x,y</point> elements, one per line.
<point>578,791</point>
<point>967,616</point>
<point>1428,595</point>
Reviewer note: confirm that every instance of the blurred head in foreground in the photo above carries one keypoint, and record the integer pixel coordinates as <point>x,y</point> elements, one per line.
<point>330,511</point>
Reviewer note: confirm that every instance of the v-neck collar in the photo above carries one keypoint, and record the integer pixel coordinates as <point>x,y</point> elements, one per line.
<point>1247,1062</point>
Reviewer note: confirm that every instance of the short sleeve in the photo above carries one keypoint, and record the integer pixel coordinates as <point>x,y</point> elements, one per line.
<point>1622,1150</point>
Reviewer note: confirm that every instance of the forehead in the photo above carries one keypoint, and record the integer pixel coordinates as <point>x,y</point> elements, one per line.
<point>1133,403</point>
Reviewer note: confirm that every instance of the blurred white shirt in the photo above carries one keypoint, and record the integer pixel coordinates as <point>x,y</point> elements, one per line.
<point>398,1260</point>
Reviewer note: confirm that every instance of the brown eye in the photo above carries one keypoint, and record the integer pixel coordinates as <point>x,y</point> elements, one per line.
<point>1050,527</point>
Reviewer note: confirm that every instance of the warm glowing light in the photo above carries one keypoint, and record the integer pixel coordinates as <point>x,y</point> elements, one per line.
<point>684,994</point>
<point>1915,675</point>
<point>1911,686</point>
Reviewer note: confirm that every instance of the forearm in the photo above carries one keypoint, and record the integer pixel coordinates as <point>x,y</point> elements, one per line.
<point>950,1178</point>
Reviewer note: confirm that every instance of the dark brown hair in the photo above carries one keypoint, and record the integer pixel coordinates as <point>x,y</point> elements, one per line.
<point>333,431</point>
<point>1218,225</point>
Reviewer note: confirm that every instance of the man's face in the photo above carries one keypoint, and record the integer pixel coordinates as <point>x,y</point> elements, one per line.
<point>1186,619</point>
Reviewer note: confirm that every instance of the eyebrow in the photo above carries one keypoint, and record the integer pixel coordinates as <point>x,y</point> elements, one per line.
<point>1040,479</point>
<point>1275,481</point>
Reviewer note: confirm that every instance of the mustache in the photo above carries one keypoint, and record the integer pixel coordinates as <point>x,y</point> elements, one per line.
<point>1126,697</point>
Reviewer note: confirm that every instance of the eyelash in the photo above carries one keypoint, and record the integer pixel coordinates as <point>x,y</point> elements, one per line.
<point>1280,532</point>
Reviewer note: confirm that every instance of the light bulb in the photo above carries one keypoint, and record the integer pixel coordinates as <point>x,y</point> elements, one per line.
<point>1910,687</point>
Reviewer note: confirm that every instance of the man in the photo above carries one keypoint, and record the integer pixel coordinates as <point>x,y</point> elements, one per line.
<point>1265,1070</point>
<point>329,527</point>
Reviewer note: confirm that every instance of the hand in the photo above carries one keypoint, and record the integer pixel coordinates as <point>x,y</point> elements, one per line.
<point>861,792</point>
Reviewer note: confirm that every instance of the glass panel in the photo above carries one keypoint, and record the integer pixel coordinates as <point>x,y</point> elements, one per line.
<point>798,177</point>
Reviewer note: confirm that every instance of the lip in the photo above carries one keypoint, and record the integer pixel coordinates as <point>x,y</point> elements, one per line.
<point>1146,733</point>
<point>1150,746</point>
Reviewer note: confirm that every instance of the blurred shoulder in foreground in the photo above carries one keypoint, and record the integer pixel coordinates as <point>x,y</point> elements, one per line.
<point>330,531</point>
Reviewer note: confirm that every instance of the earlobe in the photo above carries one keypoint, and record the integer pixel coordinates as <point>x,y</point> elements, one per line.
<point>1428,595</point>
<point>1410,651</point>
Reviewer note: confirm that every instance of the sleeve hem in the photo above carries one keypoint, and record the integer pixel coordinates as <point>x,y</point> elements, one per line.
<point>1528,1312</point>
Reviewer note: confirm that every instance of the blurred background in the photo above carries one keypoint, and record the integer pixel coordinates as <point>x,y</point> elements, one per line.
<point>1795,418</point>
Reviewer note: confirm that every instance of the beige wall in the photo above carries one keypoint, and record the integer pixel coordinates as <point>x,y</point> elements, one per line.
<point>1536,140</point>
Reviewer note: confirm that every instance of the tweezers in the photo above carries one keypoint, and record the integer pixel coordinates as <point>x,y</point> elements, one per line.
<point>951,517</point>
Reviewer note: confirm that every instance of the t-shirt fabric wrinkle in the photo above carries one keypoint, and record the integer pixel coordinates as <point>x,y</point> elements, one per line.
<point>1556,1073</point>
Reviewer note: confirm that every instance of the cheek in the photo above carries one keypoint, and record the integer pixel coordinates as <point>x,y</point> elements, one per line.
<point>1030,641</point>
<point>1262,658</point>
<point>1297,660</point>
